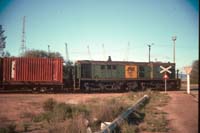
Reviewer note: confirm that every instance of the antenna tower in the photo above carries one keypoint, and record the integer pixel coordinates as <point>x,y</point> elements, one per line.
<point>23,45</point>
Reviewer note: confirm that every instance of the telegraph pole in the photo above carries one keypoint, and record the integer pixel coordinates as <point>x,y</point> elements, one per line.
<point>149,45</point>
<point>174,50</point>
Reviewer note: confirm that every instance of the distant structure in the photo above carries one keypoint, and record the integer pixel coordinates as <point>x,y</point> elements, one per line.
<point>23,42</point>
<point>2,41</point>
<point>66,52</point>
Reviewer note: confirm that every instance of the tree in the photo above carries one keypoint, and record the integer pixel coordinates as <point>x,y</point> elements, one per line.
<point>2,41</point>
<point>195,72</point>
<point>6,54</point>
<point>41,54</point>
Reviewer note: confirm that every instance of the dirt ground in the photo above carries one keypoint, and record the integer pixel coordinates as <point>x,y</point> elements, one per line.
<point>18,107</point>
<point>182,112</point>
<point>182,109</point>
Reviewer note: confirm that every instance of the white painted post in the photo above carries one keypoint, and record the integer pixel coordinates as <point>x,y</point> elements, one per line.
<point>188,71</point>
<point>188,83</point>
<point>165,85</point>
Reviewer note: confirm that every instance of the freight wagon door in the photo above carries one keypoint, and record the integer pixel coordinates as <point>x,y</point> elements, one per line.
<point>130,71</point>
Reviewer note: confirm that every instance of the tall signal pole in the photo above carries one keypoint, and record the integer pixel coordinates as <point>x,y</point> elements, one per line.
<point>149,45</point>
<point>174,50</point>
<point>23,45</point>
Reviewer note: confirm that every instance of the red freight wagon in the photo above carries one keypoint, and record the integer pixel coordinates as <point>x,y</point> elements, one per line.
<point>33,73</point>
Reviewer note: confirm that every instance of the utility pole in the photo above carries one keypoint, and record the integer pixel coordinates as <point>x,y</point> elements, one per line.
<point>174,50</point>
<point>48,50</point>
<point>104,53</point>
<point>89,52</point>
<point>23,45</point>
<point>67,54</point>
<point>127,52</point>
<point>149,45</point>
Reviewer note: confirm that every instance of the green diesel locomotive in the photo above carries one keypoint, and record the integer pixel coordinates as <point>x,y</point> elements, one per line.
<point>123,76</point>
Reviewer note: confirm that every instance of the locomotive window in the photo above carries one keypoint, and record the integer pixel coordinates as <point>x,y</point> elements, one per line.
<point>102,67</point>
<point>141,68</point>
<point>114,67</point>
<point>109,66</point>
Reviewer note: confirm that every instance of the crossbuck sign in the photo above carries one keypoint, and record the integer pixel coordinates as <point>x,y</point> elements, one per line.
<point>165,69</point>
<point>165,76</point>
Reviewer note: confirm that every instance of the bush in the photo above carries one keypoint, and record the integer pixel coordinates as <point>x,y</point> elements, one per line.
<point>75,125</point>
<point>49,104</point>
<point>126,128</point>
<point>62,111</point>
<point>59,111</point>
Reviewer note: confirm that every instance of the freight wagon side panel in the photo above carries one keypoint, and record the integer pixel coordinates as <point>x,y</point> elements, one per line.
<point>32,70</point>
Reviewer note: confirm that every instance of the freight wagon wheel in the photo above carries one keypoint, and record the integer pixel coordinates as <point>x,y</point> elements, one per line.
<point>35,89</point>
<point>43,89</point>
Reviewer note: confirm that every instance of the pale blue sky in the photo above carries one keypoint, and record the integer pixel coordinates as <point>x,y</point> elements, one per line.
<point>113,23</point>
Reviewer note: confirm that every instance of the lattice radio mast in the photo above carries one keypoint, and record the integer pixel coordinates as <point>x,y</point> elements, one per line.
<point>23,45</point>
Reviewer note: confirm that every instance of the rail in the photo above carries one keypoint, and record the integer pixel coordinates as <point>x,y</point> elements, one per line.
<point>124,115</point>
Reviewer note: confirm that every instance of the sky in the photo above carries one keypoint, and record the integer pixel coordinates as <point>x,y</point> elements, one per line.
<point>96,29</point>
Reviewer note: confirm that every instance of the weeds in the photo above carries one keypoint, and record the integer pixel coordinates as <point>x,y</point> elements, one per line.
<point>11,128</point>
<point>49,104</point>
<point>62,117</point>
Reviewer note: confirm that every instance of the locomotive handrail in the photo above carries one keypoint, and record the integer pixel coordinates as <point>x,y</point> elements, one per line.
<point>124,115</point>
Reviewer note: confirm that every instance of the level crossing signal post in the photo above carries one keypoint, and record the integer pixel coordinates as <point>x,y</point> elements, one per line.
<point>165,76</point>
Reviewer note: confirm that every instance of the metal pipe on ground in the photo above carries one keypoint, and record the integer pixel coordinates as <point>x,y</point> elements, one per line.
<point>124,115</point>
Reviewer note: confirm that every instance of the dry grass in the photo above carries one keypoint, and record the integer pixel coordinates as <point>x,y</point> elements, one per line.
<point>62,117</point>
